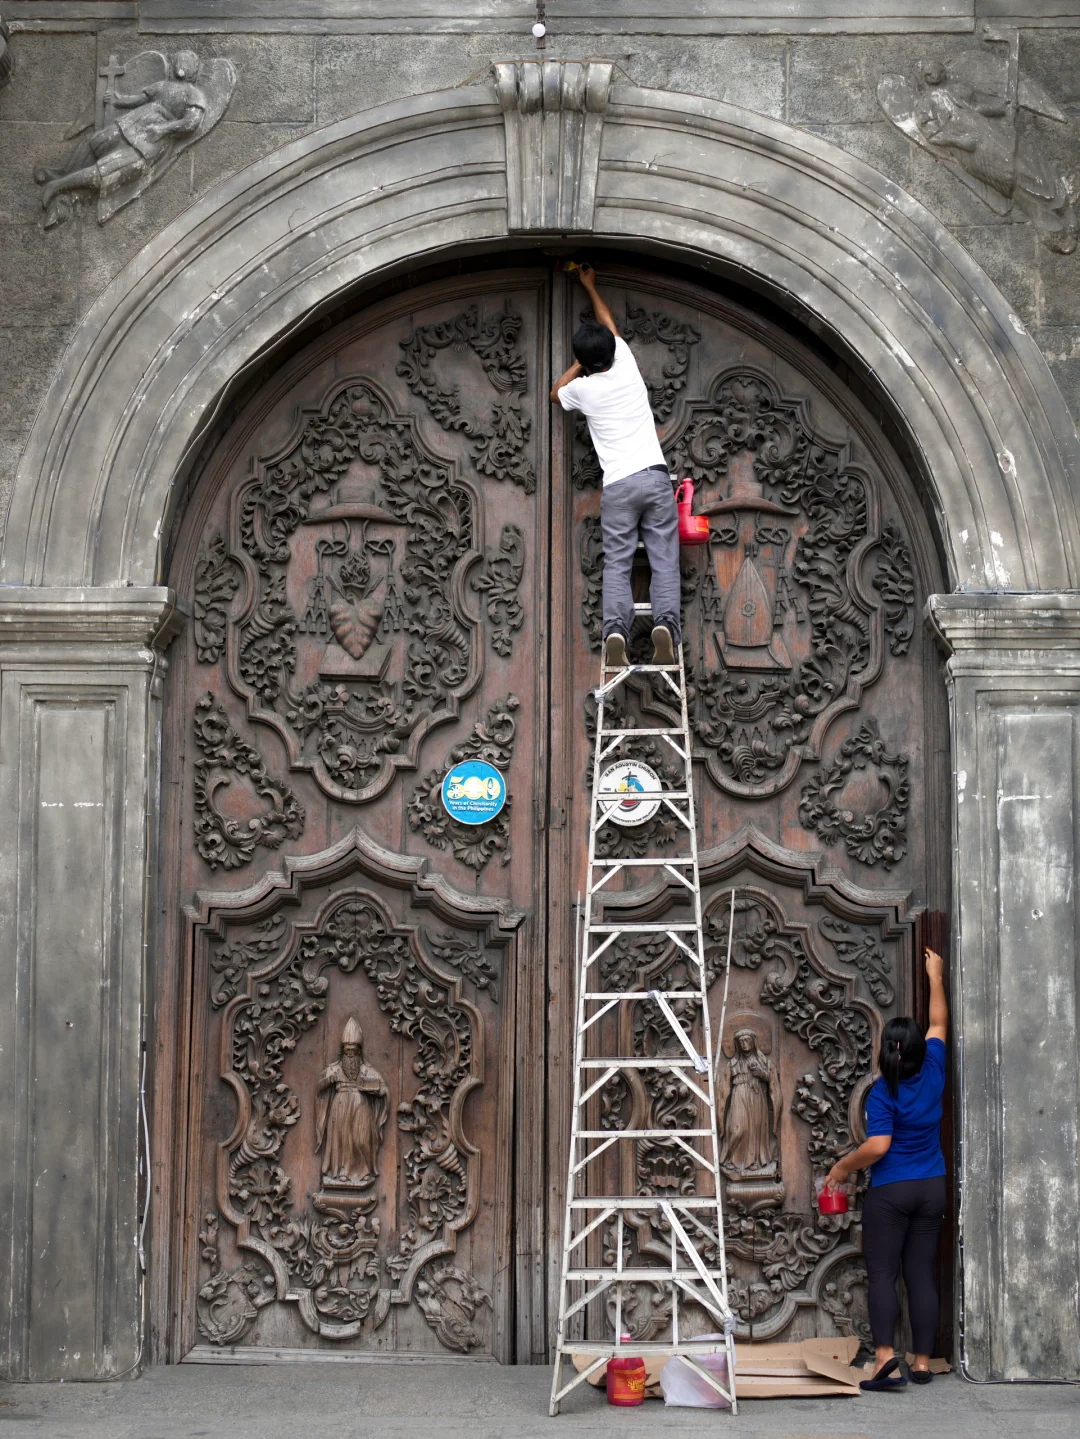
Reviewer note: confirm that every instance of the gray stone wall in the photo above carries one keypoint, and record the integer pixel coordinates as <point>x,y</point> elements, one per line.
<point>288,83</point>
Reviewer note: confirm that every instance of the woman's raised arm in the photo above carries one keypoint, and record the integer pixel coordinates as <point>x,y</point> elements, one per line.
<point>939,1005</point>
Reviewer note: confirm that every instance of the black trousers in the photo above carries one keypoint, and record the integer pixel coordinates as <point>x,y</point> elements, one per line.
<point>901,1224</point>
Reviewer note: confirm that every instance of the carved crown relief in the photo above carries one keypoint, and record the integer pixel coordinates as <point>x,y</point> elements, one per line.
<point>340,595</point>
<point>354,639</point>
<point>321,1207</point>
<point>147,112</point>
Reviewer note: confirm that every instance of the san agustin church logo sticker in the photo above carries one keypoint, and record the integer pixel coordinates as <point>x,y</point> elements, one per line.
<point>473,792</point>
<point>626,779</point>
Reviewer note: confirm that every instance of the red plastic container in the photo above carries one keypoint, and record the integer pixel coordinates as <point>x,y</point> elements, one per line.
<point>693,529</point>
<point>626,1382</point>
<point>832,1201</point>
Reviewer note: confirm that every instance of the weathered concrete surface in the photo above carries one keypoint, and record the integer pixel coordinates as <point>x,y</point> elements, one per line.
<point>78,706</point>
<point>154,358</point>
<point>290,82</point>
<point>484,1401</point>
<point>1014,691</point>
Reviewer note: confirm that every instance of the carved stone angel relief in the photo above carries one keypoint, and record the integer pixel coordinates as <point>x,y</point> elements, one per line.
<point>148,111</point>
<point>994,128</point>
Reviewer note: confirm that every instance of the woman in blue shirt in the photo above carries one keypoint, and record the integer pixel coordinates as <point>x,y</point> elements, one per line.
<point>905,1204</point>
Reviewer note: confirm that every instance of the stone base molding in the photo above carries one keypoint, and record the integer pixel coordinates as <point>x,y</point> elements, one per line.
<point>1014,691</point>
<point>79,684</point>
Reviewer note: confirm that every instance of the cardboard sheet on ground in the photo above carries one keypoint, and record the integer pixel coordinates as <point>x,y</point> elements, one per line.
<point>808,1369</point>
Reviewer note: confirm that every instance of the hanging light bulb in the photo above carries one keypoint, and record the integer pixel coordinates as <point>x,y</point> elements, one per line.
<point>539,29</point>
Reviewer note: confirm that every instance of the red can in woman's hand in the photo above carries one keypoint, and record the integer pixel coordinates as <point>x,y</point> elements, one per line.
<point>832,1201</point>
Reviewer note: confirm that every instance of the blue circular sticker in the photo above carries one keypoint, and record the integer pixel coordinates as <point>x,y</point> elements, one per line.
<point>473,792</point>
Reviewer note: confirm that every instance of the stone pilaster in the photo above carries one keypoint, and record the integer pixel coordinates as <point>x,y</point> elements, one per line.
<point>1014,690</point>
<point>79,683</point>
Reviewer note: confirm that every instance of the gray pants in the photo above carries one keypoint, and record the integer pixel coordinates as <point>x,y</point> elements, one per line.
<point>644,501</point>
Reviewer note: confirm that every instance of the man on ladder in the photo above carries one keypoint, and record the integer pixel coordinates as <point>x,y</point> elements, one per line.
<point>600,1261</point>
<point>605,385</point>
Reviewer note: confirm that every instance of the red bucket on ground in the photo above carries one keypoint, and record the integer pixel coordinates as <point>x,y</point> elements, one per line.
<point>693,529</point>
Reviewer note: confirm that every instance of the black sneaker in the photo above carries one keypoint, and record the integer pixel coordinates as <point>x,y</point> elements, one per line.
<point>615,652</point>
<point>663,646</point>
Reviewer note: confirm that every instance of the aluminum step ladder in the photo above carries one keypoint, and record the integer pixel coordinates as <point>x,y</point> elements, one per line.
<point>688,1221</point>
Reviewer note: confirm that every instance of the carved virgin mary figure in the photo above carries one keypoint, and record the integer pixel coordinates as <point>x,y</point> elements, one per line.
<point>748,1101</point>
<point>351,1106</point>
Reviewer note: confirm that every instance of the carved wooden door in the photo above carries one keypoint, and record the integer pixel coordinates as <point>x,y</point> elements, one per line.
<point>366,556</point>
<point>818,723</point>
<point>393,563</point>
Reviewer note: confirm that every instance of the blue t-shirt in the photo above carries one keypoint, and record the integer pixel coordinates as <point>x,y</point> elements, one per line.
<point>913,1119</point>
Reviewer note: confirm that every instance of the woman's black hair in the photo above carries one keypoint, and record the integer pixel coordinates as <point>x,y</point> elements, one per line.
<point>593,346</point>
<point>903,1049</point>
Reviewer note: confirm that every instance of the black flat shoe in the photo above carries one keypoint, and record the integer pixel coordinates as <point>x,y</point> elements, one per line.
<point>921,1376</point>
<point>886,1378</point>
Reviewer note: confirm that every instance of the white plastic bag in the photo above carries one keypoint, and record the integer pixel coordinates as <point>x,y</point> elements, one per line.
<point>686,1388</point>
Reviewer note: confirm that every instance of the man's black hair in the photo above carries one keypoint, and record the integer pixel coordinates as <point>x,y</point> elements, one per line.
<point>593,346</point>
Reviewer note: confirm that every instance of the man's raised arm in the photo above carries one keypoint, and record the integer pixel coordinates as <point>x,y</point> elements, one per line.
<point>587,276</point>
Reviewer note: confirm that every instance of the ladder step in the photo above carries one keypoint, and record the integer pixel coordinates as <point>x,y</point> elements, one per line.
<point>625,927</point>
<point>637,1062</point>
<point>639,796</point>
<point>646,1201</point>
<point>618,863</point>
<point>645,994</point>
<point>644,1134</point>
<point>636,1347</point>
<point>640,669</point>
<point>638,1276</point>
<point>636,733</point>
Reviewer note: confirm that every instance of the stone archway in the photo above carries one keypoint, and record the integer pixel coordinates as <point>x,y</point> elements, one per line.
<point>532,151</point>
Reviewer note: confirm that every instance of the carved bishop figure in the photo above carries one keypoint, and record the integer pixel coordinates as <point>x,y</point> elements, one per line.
<point>352,1103</point>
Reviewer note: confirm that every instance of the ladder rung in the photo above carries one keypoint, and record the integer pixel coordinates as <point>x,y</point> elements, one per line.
<point>644,994</point>
<point>636,1347</point>
<point>641,796</point>
<point>638,1276</point>
<point>637,733</point>
<point>645,1201</point>
<point>644,1134</point>
<point>638,1062</point>
<point>668,859</point>
<point>625,927</point>
<point>640,669</point>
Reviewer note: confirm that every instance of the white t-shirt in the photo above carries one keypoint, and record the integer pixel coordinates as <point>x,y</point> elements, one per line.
<point>621,425</point>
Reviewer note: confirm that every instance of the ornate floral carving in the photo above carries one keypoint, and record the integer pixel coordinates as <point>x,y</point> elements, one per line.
<point>218,838</point>
<point>500,450</point>
<point>338,1269</point>
<point>383,649</point>
<point>138,130</point>
<point>894,581</point>
<point>862,950</point>
<point>870,838</point>
<point>450,1300</point>
<point>216,581</point>
<point>498,583</point>
<point>492,739</point>
<point>229,1300</point>
<point>843,1297</point>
